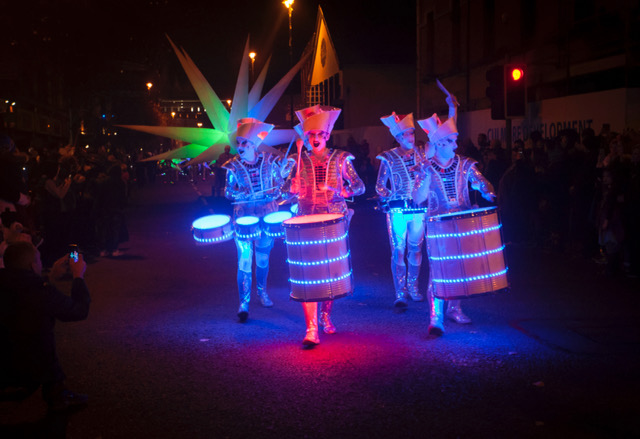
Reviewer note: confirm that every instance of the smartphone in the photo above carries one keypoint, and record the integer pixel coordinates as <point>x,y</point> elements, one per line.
<point>73,252</point>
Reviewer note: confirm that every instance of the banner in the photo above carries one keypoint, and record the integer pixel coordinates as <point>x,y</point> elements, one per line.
<point>325,59</point>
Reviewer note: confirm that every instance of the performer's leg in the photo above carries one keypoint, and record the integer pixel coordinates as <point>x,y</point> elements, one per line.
<point>454,312</point>
<point>397,230</point>
<point>415,238</point>
<point>436,324</point>
<point>311,318</point>
<point>245,256</point>
<point>325,317</point>
<point>263,249</point>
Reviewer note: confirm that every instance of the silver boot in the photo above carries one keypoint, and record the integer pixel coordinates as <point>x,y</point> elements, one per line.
<point>244,292</point>
<point>261,281</point>
<point>436,320</point>
<point>454,312</point>
<point>412,283</point>
<point>311,318</point>
<point>325,317</point>
<point>399,273</point>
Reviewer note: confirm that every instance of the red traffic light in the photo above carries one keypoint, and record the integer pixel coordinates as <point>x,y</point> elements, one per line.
<point>517,74</point>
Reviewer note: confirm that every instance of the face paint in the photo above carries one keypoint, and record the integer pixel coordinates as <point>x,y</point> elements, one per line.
<point>318,140</point>
<point>407,139</point>
<point>246,149</point>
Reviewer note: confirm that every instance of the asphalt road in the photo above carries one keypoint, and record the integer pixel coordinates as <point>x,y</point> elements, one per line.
<point>163,356</point>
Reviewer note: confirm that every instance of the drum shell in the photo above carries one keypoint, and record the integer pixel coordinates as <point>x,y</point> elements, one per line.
<point>326,242</point>
<point>466,254</point>
<point>247,227</point>
<point>272,223</point>
<point>212,235</point>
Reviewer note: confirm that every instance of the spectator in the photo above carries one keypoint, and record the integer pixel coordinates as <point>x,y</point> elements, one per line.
<point>29,308</point>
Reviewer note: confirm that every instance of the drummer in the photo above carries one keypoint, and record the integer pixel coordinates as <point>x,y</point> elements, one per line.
<point>443,186</point>
<point>405,222</point>
<point>254,183</point>
<point>321,180</point>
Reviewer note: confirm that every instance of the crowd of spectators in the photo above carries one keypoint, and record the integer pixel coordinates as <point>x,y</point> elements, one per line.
<point>573,193</point>
<point>71,196</point>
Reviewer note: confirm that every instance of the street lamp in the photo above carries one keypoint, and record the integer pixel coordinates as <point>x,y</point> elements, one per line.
<point>252,55</point>
<point>289,5</point>
<point>229,104</point>
<point>149,85</point>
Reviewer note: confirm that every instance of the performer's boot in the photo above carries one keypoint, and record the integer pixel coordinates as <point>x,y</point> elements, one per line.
<point>436,320</point>
<point>325,317</point>
<point>399,273</point>
<point>311,318</point>
<point>412,283</point>
<point>244,291</point>
<point>454,312</point>
<point>261,281</point>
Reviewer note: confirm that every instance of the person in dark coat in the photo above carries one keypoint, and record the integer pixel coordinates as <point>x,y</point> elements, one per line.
<point>29,308</point>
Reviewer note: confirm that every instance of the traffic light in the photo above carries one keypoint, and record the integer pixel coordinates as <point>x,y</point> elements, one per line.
<point>515,90</point>
<point>495,91</point>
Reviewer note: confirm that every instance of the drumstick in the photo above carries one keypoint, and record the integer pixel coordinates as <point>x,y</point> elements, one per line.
<point>299,144</point>
<point>445,91</point>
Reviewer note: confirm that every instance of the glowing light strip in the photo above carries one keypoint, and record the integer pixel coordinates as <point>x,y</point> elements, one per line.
<point>318,282</point>
<point>324,241</point>
<point>467,256</point>
<point>212,240</point>
<point>250,236</point>
<point>458,235</point>
<point>471,279</point>
<point>326,261</point>
<point>274,235</point>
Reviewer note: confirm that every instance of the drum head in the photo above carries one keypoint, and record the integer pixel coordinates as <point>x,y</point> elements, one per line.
<point>277,217</point>
<point>247,220</point>
<point>210,222</point>
<point>324,218</point>
<point>464,214</point>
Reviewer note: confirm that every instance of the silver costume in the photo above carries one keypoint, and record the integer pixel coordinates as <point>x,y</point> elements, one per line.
<point>448,191</point>
<point>405,222</point>
<point>333,171</point>
<point>254,188</point>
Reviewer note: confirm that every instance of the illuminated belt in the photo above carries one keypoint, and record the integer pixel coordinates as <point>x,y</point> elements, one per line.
<point>323,281</point>
<point>323,241</point>
<point>326,261</point>
<point>467,256</point>
<point>458,235</point>
<point>471,279</point>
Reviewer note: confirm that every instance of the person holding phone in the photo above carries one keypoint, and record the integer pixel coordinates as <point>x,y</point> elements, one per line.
<point>29,309</point>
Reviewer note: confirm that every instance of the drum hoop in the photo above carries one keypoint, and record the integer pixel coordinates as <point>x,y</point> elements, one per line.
<point>484,211</point>
<point>471,279</point>
<point>225,237</point>
<point>328,222</point>
<point>468,255</point>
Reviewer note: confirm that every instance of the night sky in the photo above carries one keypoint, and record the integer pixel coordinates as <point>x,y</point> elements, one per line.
<point>91,39</point>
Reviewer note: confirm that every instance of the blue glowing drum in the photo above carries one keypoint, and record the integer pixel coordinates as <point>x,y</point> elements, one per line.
<point>247,227</point>
<point>318,256</point>
<point>212,229</point>
<point>273,223</point>
<point>466,254</point>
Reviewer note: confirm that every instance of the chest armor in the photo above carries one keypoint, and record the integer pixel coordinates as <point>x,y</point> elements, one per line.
<point>328,171</point>
<point>402,170</point>
<point>449,188</point>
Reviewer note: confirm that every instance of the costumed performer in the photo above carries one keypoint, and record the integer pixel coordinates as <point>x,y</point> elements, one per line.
<point>405,220</point>
<point>321,180</point>
<point>442,186</point>
<point>253,182</point>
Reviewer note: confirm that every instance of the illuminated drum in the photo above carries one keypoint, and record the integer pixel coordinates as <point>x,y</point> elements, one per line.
<point>318,257</point>
<point>273,223</point>
<point>212,229</point>
<point>466,253</point>
<point>247,227</point>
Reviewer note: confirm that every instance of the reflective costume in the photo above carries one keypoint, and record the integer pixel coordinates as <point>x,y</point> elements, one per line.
<point>333,171</point>
<point>405,220</point>
<point>254,187</point>
<point>326,177</point>
<point>442,186</point>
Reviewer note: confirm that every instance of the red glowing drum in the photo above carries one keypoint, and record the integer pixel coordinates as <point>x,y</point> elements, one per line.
<point>273,223</point>
<point>466,253</point>
<point>247,227</point>
<point>212,229</point>
<point>318,257</point>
